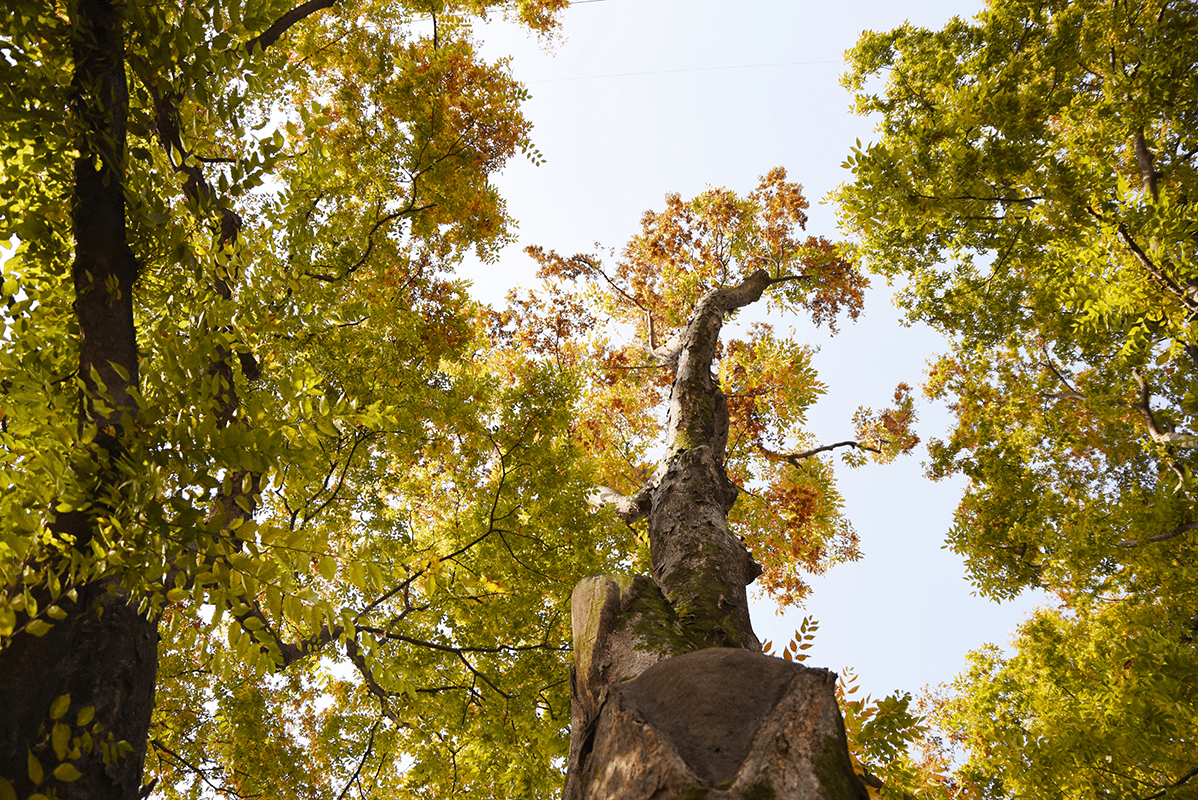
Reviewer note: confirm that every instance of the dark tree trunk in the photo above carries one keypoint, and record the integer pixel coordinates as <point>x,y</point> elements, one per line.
<point>104,653</point>
<point>671,695</point>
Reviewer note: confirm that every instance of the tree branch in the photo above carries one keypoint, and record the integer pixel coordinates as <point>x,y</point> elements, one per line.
<point>629,508</point>
<point>362,762</point>
<point>1183,779</point>
<point>359,661</point>
<point>411,208</point>
<point>795,458</point>
<point>874,782</point>
<point>1148,175</point>
<point>289,652</point>
<point>284,23</point>
<point>457,651</point>
<point>1161,537</point>
<point>158,745</point>
<point>1187,440</point>
<point>1186,296</point>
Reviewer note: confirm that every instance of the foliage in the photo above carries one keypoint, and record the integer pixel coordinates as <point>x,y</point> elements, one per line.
<point>881,733</point>
<point>1032,189</point>
<point>325,462</point>
<point>608,321</point>
<point>1097,705</point>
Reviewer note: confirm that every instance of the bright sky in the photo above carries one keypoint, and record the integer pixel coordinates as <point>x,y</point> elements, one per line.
<point>645,97</point>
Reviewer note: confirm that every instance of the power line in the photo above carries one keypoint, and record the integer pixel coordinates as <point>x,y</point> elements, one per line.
<point>690,69</point>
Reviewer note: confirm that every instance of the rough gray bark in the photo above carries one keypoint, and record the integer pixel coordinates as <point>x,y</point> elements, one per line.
<point>671,696</point>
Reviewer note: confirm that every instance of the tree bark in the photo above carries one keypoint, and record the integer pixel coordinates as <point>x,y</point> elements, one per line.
<point>671,695</point>
<point>104,653</point>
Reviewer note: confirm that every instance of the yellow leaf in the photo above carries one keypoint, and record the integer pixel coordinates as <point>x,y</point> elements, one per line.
<point>328,568</point>
<point>86,714</point>
<point>38,627</point>
<point>34,767</point>
<point>60,706</point>
<point>67,772</point>
<point>357,574</point>
<point>6,790</point>
<point>59,739</point>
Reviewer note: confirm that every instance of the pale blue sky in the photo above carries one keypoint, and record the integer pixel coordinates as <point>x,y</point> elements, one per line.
<point>645,97</point>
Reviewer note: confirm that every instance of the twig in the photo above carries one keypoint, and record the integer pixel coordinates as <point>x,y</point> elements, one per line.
<point>365,755</point>
<point>1174,785</point>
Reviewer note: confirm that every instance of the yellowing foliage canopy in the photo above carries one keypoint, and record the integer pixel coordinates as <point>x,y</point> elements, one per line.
<point>285,513</point>
<point>1033,184</point>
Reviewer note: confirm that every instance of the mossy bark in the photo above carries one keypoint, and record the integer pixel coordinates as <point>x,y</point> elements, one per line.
<point>672,697</point>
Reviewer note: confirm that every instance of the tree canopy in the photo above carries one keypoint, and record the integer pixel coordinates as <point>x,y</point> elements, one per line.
<point>287,513</point>
<point>1031,190</point>
<point>611,321</point>
<point>217,427</point>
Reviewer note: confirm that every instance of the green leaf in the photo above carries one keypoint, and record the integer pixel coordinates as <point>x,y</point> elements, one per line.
<point>38,627</point>
<point>86,714</point>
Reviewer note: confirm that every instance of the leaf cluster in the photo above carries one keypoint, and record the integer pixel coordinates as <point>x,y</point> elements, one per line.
<point>356,521</point>
<point>1032,191</point>
<point>615,320</point>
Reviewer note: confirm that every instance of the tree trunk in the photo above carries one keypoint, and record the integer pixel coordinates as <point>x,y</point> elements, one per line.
<point>671,695</point>
<point>104,653</point>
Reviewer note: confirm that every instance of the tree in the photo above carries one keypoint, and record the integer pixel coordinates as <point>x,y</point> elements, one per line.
<point>226,456</point>
<point>665,698</point>
<point>231,460</point>
<point>1032,186</point>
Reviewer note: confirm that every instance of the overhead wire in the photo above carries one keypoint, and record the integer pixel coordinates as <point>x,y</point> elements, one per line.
<point>685,69</point>
<point>674,71</point>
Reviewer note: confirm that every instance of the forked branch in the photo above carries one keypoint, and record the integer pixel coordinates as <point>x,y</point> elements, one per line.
<point>1169,437</point>
<point>629,508</point>
<point>795,458</point>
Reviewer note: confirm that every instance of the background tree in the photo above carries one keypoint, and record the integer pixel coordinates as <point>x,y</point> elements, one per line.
<point>610,322</point>
<point>732,414</point>
<point>1032,187</point>
<point>230,459</point>
<point>227,456</point>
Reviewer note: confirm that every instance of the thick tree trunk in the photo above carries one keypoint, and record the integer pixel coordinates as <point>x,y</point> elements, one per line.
<point>104,653</point>
<point>671,695</point>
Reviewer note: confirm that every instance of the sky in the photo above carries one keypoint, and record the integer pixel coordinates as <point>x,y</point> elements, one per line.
<point>639,98</point>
